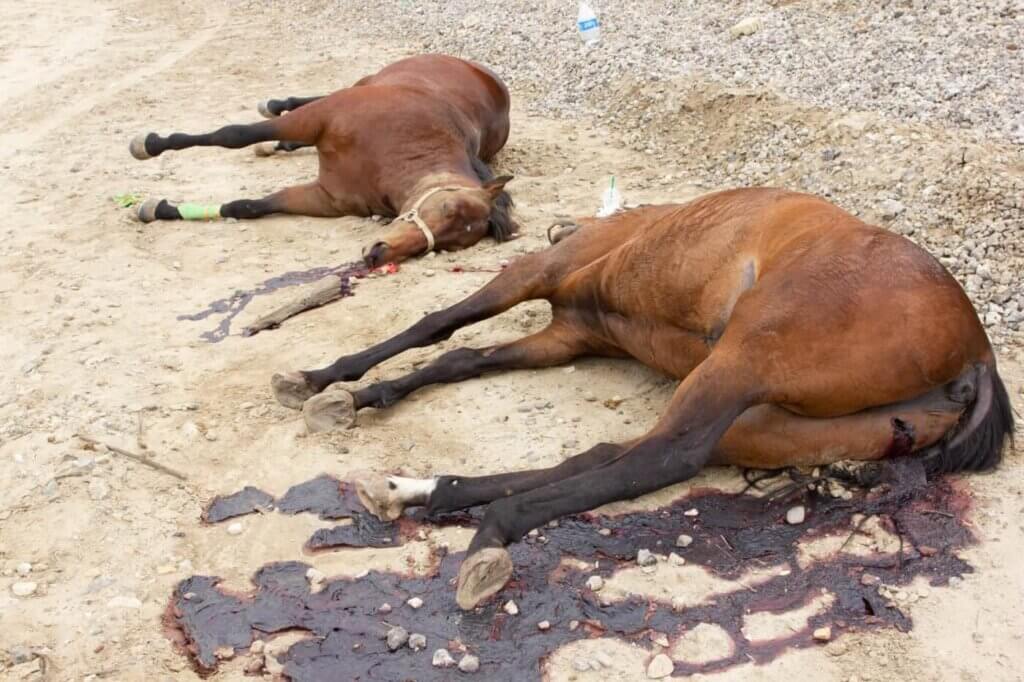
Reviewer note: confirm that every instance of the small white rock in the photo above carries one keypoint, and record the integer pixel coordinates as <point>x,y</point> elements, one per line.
<point>676,560</point>
<point>745,27</point>
<point>684,540</point>
<point>659,667</point>
<point>595,583</point>
<point>442,659</point>
<point>796,515</point>
<point>417,641</point>
<point>24,568</point>
<point>414,602</point>
<point>314,576</point>
<point>511,608</point>
<point>605,532</point>
<point>235,528</point>
<point>823,634</point>
<point>24,588</point>
<point>691,512</point>
<point>544,625</point>
<point>645,558</point>
<point>384,608</point>
<point>396,637</point>
<point>469,664</point>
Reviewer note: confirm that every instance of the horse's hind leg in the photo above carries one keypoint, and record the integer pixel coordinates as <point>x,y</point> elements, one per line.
<point>302,128</point>
<point>272,108</point>
<point>555,345</point>
<point>310,199</point>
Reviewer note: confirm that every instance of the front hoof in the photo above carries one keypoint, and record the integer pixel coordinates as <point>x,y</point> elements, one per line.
<point>138,147</point>
<point>377,494</point>
<point>264,149</point>
<point>291,389</point>
<point>264,109</point>
<point>482,575</point>
<point>146,212</point>
<point>328,410</point>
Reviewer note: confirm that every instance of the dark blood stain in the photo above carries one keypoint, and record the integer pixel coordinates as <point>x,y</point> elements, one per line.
<point>245,501</point>
<point>233,305</point>
<point>902,439</point>
<point>731,535</point>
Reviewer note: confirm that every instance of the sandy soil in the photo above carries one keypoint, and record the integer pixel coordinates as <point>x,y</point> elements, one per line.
<point>90,343</point>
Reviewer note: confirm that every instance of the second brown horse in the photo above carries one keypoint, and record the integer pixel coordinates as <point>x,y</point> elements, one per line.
<point>412,140</point>
<point>800,335</point>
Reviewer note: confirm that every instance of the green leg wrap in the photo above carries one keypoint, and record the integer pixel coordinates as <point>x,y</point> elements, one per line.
<point>199,211</point>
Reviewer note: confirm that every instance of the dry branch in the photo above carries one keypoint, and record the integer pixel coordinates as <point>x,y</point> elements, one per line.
<point>329,289</point>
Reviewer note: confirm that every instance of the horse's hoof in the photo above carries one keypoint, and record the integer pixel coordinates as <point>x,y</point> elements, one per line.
<point>264,109</point>
<point>482,575</point>
<point>264,149</point>
<point>378,496</point>
<point>328,410</point>
<point>561,230</point>
<point>138,147</point>
<point>291,389</point>
<point>146,212</point>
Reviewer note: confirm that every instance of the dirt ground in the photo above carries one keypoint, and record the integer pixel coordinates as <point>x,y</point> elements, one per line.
<point>90,343</point>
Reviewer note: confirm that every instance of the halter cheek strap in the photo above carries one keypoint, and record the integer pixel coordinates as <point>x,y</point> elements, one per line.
<point>413,214</point>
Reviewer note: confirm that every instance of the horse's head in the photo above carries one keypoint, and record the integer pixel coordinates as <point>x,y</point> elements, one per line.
<point>448,218</point>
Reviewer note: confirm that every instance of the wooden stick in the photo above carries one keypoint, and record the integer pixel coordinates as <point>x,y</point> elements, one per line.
<point>329,289</point>
<point>138,458</point>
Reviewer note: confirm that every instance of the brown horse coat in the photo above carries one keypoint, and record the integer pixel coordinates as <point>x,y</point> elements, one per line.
<point>422,128</point>
<point>800,335</point>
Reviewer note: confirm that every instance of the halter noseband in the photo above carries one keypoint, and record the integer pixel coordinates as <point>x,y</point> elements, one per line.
<point>413,214</point>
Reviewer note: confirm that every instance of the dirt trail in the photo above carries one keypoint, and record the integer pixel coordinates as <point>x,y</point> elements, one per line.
<point>90,343</point>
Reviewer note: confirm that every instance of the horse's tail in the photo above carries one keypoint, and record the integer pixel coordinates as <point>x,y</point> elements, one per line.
<point>976,443</point>
<point>500,225</point>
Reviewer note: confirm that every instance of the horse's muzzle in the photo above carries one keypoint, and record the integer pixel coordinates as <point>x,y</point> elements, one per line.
<point>376,255</point>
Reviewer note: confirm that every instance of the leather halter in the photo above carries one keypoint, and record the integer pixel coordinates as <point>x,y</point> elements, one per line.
<point>413,214</point>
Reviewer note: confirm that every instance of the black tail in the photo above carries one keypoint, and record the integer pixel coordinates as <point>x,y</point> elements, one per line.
<point>976,444</point>
<point>500,225</point>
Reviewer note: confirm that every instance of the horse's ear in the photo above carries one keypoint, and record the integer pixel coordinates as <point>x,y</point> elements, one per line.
<point>494,187</point>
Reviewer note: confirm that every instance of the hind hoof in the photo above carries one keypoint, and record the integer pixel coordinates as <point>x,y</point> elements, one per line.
<point>331,409</point>
<point>138,147</point>
<point>482,575</point>
<point>146,212</point>
<point>264,149</point>
<point>377,494</point>
<point>264,109</point>
<point>560,230</point>
<point>291,389</point>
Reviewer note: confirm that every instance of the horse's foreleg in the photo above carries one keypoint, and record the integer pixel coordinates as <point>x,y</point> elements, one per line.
<point>559,343</point>
<point>678,447</point>
<point>525,279</point>
<point>309,199</point>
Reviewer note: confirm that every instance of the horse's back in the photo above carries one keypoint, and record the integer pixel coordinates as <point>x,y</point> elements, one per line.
<point>476,91</point>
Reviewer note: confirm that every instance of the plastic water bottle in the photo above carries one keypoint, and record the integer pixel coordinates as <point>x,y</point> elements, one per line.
<point>589,26</point>
<point>611,200</point>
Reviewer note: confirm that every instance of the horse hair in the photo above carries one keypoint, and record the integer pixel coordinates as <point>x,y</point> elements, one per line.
<point>500,225</point>
<point>977,442</point>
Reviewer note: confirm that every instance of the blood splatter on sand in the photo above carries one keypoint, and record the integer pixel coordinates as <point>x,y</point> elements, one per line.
<point>731,535</point>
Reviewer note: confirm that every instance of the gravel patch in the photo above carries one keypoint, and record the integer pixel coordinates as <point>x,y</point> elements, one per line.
<point>909,114</point>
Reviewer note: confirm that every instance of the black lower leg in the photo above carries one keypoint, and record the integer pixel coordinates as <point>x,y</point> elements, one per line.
<point>280,106</point>
<point>460,492</point>
<point>433,328</point>
<point>231,137</point>
<point>290,146</point>
<point>244,209</point>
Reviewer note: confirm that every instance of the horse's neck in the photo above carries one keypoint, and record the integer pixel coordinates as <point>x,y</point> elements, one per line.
<point>420,186</point>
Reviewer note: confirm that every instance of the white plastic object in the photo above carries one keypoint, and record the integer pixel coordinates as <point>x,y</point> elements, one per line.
<point>588,25</point>
<point>611,200</point>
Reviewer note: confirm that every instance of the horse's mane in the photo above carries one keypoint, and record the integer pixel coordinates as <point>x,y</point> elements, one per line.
<point>500,225</point>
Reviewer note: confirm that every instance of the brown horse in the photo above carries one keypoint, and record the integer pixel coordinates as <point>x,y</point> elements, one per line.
<point>801,336</point>
<point>412,140</point>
